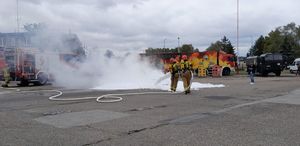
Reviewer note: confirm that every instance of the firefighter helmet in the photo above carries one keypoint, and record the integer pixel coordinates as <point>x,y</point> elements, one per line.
<point>172,60</point>
<point>184,57</point>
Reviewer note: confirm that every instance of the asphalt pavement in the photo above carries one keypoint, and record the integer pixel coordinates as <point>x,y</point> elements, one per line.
<point>266,113</point>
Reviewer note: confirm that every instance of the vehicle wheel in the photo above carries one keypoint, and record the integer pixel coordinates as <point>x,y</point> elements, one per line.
<point>226,72</point>
<point>24,82</point>
<point>291,71</point>
<point>264,74</point>
<point>42,78</point>
<point>278,73</point>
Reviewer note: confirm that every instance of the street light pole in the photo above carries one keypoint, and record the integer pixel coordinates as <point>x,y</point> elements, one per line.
<point>178,45</point>
<point>18,19</point>
<point>165,43</point>
<point>237,36</point>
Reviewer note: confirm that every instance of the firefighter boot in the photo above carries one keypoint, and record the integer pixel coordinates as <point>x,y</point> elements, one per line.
<point>5,84</point>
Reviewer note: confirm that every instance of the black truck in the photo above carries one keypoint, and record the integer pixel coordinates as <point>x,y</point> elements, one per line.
<point>267,63</point>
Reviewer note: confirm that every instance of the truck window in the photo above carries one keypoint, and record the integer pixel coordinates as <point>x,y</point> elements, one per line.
<point>231,59</point>
<point>277,57</point>
<point>269,57</point>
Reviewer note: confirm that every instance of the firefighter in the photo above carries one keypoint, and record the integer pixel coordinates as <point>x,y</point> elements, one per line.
<point>6,76</point>
<point>186,74</point>
<point>174,69</point>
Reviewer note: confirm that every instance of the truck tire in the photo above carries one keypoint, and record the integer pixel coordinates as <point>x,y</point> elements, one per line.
<point>278,73</point>
<point>23,82</point>
<point>226,71</point>
<point>264,74</point>
<point>42,78</point>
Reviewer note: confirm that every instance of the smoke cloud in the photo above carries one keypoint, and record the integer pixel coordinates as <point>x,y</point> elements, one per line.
<point>73,66</point>
<point>121,71</point>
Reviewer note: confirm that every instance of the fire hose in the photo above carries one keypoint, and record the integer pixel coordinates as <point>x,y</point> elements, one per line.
<point>106,98</point>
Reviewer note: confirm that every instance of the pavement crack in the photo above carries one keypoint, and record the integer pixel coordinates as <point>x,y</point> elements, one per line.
<point>97,142</point>
<point>147,128</point>
<point>130,132</point>
<point>146,108</point>
<point>136,131</point>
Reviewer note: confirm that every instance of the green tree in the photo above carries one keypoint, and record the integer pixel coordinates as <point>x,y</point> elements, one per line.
<point>258,48</point>
<point>284,39</point>
<point>227,46</point>
<point>224,45</point>
<point>187,49</point>
<point>273,42</point>
<point>215,46</point>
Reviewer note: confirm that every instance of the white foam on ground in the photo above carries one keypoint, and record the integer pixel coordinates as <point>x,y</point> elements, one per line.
<point>153,84</point>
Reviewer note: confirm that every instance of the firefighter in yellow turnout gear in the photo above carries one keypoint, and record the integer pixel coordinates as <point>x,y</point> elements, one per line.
<point>6,76</point>
<point>174,69</point>
<point>186,74</point>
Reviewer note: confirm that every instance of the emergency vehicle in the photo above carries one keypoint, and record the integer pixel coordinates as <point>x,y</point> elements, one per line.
<point>29,65</point>
<point>206,60</point>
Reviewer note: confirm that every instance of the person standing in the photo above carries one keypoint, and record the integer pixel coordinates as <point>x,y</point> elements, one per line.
<point>6,76</point>
<point>186,74</point>
<point>174,70</point>
<point>298,69</point>
<point>251,72</point>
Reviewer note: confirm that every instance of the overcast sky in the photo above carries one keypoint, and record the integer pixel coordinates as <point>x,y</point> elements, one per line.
<point>139,24</point>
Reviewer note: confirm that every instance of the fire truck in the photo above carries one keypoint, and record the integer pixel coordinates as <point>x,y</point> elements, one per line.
<point>207,60</point>
<point>28,65</point>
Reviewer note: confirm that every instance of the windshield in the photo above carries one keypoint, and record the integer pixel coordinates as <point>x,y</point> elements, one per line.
<point>273,57</point>
<point>277,57</point>
<point>269,57</point>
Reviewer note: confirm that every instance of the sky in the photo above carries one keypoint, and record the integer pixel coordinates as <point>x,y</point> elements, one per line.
<point>139,24</point>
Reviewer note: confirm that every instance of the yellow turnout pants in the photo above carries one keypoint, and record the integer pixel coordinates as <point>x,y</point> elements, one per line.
<point>174,81</point>
<point>186,78</point>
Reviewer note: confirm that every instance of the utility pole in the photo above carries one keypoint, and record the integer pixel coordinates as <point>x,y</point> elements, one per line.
<point>18,19</point>
<point>237,37</point>
<point>165,43</point>
<point>178,50</point>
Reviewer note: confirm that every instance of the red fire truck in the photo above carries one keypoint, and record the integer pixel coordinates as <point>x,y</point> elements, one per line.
<point>28,65</point>
<point>206,60</point>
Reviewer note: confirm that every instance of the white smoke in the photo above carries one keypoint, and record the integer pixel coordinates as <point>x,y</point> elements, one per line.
<point>119,71</point>
<point>99,69</point>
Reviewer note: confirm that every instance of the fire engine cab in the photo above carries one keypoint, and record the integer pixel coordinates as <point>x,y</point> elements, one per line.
<point>26,65</point>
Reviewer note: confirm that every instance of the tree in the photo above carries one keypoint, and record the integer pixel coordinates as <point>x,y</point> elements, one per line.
<point>187,49</point>
<point>273,42</point>
<point>284,39</point>
<point>258,48</point>
<point>227,46</point>
<point>215,46</point>
<point>224,45</point>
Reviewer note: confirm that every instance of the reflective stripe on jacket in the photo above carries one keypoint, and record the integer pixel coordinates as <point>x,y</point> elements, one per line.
<point>174,67</point>
<point>186,65</point>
